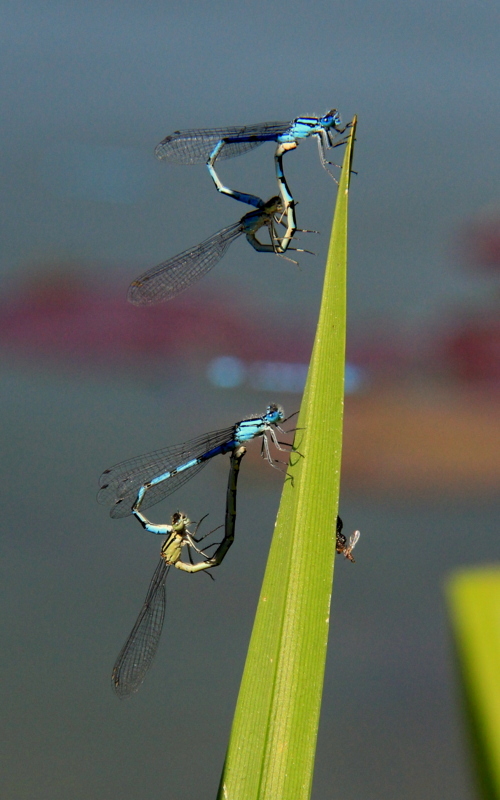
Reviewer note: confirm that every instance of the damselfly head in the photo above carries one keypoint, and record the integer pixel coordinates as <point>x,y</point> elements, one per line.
<point>275,413</point>
<point>331,119</point>
<point>273,204</point>
<point>179,520</point>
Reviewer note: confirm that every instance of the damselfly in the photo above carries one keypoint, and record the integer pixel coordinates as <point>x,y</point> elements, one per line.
<point>138,652</point>
<point>341,546</point>
<point>178,273</point>
<point>210,144</point>
<point>147,479</point>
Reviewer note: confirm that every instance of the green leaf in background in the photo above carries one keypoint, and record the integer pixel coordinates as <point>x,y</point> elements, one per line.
<point>474,603</point>
<point>273,739</point>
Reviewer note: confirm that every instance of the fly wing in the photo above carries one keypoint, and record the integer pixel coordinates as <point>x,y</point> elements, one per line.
<point>140,648</point>
<point>178,273</point>
<point>120,484</point>
<point>354,539</point>
<point>193,146</point>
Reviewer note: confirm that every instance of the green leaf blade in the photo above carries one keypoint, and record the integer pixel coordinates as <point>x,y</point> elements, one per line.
<point>474,603</point>
<point>273,739</point>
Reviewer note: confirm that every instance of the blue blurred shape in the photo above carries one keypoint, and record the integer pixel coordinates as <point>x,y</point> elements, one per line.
<point>355,378</point>
<point>227,372</point>
<point>278,376</point>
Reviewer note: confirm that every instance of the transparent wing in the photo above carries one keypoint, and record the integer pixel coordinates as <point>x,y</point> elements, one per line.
<point>193,146</point>
<point>353,540</point>
<point>178,273</point>
<point>140,648</point>
<point>119,484</point>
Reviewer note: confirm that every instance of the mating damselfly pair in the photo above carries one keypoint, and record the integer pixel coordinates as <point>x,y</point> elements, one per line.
<point>210,145</point>
<point>143,481</point>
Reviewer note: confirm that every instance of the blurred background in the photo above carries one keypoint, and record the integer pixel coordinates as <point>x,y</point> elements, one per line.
<point>88,90</point>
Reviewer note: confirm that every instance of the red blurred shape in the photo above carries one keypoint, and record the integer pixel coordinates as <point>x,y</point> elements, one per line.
<point>64,315</point>
<point>481,240</point>
<point>473,350</point>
